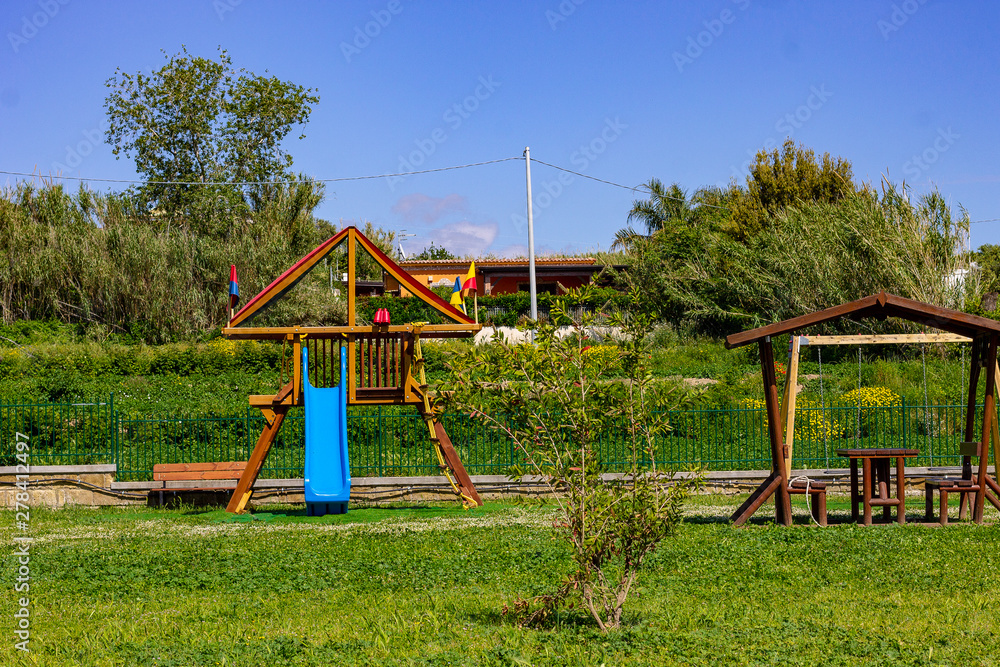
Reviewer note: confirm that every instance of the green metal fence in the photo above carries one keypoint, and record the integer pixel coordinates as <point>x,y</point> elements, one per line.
<point>387,441</point>
<point>737,439</point>
<point>60,433</point>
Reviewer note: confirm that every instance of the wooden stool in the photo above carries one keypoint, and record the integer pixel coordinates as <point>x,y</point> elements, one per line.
<point>817,493</point>
<point>963,486</point>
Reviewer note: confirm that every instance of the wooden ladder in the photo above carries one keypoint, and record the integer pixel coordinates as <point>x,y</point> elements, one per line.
<point>448,460</point>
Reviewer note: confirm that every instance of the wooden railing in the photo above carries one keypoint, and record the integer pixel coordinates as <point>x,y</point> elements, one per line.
<point>381,361</point>
<point>324,361</point>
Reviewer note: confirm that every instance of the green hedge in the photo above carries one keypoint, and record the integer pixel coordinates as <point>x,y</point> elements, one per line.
<point>174,359</point>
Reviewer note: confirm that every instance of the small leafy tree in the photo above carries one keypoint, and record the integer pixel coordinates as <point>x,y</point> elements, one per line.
<point>434,252</point>
<point>566,405</point>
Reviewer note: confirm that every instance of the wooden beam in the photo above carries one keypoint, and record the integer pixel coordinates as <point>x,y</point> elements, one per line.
<point>885,339</point>
<point>975,368</point>
<point>286,280</point>
<point>267,400</point>
<point>795,323</point>
<point>244,488</point>
<point>455,464</point>
<point>297,271</point>
<point>200,466</point>
<point>297,370</point>
<point>352,247</point>
<point>996,433</point>
<point>756,499</point>
<point>418,290</point>
<point>788,398</point>
<point>878,306</point>
<point>352,346</point>
<point>341,332</point>
<point>199,474</point>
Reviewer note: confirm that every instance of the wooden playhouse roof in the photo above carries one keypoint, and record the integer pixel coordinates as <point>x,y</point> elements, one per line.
<point>291,277</point>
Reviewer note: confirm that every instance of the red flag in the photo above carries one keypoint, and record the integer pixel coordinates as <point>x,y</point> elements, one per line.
<point>234,288</point>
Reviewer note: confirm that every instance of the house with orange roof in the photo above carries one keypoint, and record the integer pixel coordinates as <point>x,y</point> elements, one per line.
<point>501,276</point>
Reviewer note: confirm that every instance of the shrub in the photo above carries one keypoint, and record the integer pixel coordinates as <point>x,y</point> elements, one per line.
<point>604,357</point>
<point>563,406</point>
<point>811,422</point>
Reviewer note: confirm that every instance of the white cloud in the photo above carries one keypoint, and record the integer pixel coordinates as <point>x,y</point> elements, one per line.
<point>465,238</point>
<point>513,251</point>
<point>427,208</point>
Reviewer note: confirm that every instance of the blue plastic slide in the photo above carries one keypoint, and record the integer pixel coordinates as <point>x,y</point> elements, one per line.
<point>328,469</point>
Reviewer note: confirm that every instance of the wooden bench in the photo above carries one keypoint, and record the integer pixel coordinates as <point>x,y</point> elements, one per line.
<point>183,477</point>
<point>963,486</point>
<point>817,497</point>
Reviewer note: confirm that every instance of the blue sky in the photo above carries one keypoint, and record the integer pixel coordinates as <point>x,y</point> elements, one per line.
<point>680,91</point>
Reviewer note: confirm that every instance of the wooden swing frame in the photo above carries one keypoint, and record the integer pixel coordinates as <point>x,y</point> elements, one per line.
<point>983,333</point>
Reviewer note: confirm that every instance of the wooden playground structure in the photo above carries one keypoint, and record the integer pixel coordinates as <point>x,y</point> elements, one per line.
<point>975,488</point>
<point>384,361</point>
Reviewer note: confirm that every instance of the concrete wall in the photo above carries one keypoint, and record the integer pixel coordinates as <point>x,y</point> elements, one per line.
<point>58,486</point>
<point>94,485</point>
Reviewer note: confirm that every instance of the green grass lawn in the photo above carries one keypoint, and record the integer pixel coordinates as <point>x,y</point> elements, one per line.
<point>425,585</point>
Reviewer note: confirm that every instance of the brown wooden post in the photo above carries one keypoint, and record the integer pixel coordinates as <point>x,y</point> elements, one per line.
<point>855,490</point>
<point>782,502</point>
<point>996,448</point>
<point>990,482</point>
<point>244,488</point>
<point>900,489</point>
<point>975,369</point>
<point>866,489</point>
<point>297,369</point>
<point>352,320</point>
<point>989,414</point>
<point>970,403</point>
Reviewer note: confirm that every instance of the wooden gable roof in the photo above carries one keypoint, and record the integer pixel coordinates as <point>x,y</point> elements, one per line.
<point>287,280</point>
<point>877,306</point>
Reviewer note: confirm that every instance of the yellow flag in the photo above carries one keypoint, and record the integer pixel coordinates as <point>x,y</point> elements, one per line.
<point>470,279</point>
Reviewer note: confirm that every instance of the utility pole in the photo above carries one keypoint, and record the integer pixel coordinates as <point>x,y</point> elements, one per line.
<point>531,240</point>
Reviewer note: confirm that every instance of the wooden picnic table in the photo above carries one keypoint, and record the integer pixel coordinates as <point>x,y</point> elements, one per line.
<point>876,460</point>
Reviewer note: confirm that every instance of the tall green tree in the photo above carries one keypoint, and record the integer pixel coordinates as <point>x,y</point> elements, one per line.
<point>663,207</point>
<point>787,177</point>
<point>800,236</point>
<point>666,214</point>
<point>201,121</point>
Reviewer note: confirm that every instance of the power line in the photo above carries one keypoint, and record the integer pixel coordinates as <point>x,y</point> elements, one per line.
<point>308,180</point>
<point>619,185</point>
<point>374,176</point>
<point>599,180</point>
<point>338,180</point>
